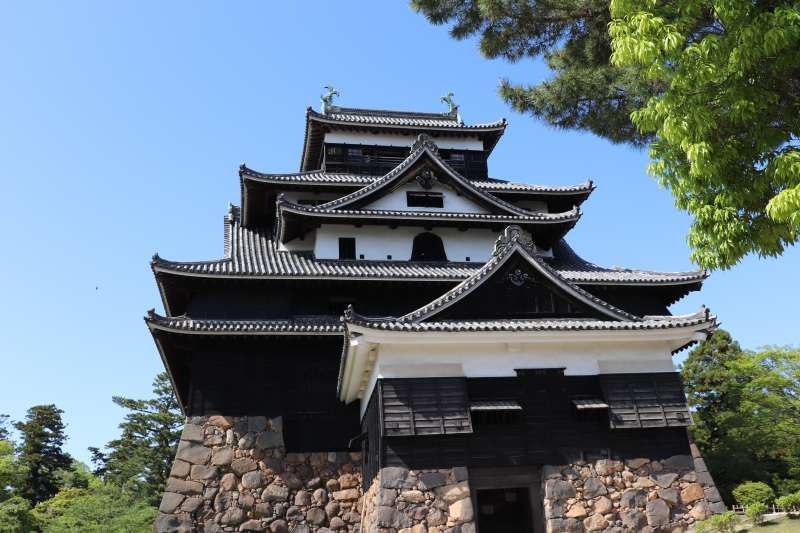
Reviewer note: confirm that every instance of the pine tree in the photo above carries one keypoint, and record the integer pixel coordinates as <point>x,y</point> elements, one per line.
<point>40,452</point>
<point>142,456</point>
<point>586,92</point>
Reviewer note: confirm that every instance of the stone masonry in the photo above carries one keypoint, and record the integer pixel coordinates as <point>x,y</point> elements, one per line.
<point>233,474</point>
<point>611,496</point>
<point>425,501</point>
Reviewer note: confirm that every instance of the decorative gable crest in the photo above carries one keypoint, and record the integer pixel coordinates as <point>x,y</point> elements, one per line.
<point>423,139</point>
<point>426,179</point>
<point>514,234</point>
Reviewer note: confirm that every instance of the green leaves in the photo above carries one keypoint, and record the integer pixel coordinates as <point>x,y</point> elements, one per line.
<point>733,392</point>
<point>727,123</point>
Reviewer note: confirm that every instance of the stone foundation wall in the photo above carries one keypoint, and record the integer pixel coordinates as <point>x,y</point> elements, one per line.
<point>639,495</point>
<point>419,501</point>
<point>233,474</point>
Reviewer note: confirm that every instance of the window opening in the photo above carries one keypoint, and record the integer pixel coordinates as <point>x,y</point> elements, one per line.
<point>424,199</point>
<point>347,248</point>
<point>428,247</point>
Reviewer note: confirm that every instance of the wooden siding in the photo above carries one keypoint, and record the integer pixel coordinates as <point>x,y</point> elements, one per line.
<point>427,406</point>
<point>550,431</point>
<point>646,400</point>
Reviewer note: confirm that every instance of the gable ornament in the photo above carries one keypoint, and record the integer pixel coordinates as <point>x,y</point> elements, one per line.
<point>426,179</point>
<point>518,277</point>
<point>514,234</point>
<point>423,139</point>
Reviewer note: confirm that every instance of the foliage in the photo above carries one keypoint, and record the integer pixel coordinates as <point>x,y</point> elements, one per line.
<point>586,92</point>
<point>12,472</point>
<point>789,502</point>
<point>750,493</point>
<point>100,508</point>
<point>4,435</point>
<point>727,122</point>
<point>755,512</point>
<point>15,515</point>
<point>142,456</point>
<point>723,523</point>
<point>40,453</point>
<point>746,411</point>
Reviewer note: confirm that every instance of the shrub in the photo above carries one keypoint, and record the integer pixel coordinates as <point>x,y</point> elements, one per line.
<point>751,492</point>
<point>755,512</point>
<point>790,502</point>
<point>724,523</point>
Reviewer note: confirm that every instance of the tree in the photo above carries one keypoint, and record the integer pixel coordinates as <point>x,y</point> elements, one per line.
<point>586,91</point>
<point>727,122</point>
<point>746,408</point>
<point>4,435</point>
<point>12,472</point>
<point>42,437</point>
<point>95,507</point>
<point>751,492</point>
<point>711,86</point>
<point>142,456</point>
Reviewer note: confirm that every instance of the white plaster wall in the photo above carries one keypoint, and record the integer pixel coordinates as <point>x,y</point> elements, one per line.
<point>501,359</point>
<point>467,142</point>
<point>376,242</point>
<point>453,203</point>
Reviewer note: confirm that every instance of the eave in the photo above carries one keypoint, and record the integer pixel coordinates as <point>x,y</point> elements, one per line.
<point>317,124</point>
<point>295,220</point>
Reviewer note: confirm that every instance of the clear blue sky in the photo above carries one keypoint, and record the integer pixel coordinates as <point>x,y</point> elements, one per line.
<point>122,125</point>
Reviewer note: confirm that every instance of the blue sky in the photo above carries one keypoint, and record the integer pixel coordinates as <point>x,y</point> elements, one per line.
<point>122,125</point>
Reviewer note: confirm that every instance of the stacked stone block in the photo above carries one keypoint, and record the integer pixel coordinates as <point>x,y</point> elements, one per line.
<point>233,474</point>
<point>639,495</point>
<point>408,501</point>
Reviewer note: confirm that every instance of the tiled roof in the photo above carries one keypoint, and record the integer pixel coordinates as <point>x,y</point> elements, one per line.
<point>321,177</point>
<point>251,253</point>
<point>423,147</point>
<point>286,205</point>
<point>576,269</point>
<point>648,323</point>
<point>381,117</point>
<point>514,245</point>
<point>184,324</point>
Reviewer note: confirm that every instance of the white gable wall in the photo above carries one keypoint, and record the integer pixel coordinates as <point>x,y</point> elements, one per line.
<point>468,142</point>
<point>453,203</point>
<point>377,242</point>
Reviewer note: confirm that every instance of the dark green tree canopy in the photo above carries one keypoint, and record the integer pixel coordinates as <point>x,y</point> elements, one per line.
<point>40,452</point>
<point>142,456</point>
<point>746,412</point>
<point>586,92</point>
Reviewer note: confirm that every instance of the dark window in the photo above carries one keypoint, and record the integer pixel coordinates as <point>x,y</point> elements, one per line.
<point>428,247</point>
<point>355,153</point>
<point>347,248</point>
<point>424,199</point>
<point>457,157</point>
<point>504,510</point>
<point>334,150</point>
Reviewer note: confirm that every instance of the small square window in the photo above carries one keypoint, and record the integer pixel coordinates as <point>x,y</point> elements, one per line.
<point>347,248</point>
<point>467,258</point>
<point>424,199</point>
<point>361,256</point>
<point>388,257</point>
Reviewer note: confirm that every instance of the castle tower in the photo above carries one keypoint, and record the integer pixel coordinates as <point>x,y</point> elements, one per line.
<point>394,341</point>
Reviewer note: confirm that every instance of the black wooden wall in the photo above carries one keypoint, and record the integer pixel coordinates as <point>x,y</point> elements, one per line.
<point>289,376</point>
<point>548,430</point>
